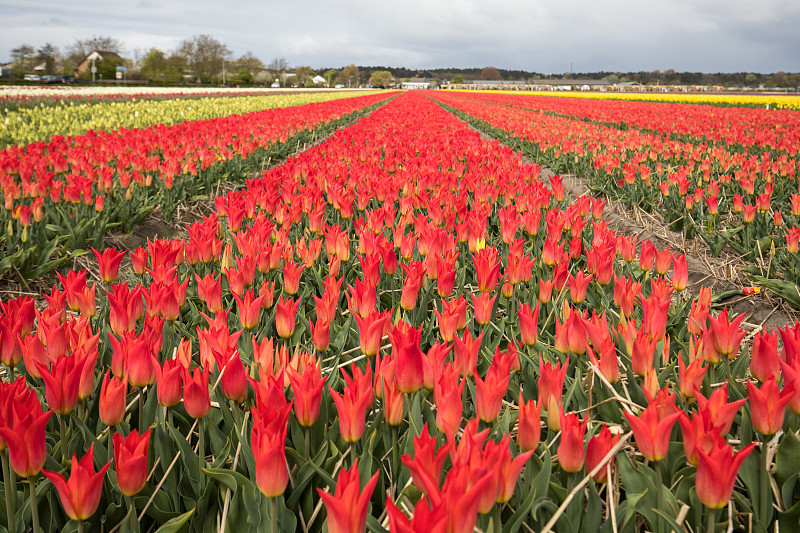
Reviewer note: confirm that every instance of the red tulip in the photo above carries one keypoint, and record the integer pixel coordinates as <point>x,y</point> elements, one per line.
<point>528,324</point>
<point>409,373</point>
<point>286,316</point>
<point>529,433</point>
<point>482,306</point>
<point>130,458</point>
<point>487,269</point>
<point>598,447</point>
<point>268,442</point>
<point>768,405</point>
<point>61,383</point>
<point>209,290</point>
<point>716,473</point>
<point>489,392</point>
<point>113,395</point>
<point>680,272</point>
<point>415,276</point>
<point>80,496</point>
<point>448,397</point>
<point>371,329</point>
<point>571,450</point>
<point>169,389</point>
<point>291,277</point>
<point>24,433</point>
<point>728,335</point>
<point>353,404</point>
<point>139,361</point>
<point>465,353</point>
<point>249,309</point>
<point>508,470</point>
<point>307,387</point>
<point>234,379</point>
<point>551,385</point>
<point>578,284</point>
<point>717,410</point>
<point>195,392</point>
<point>690,378</point>
<point>109,262</point>
<point>651,430</point>
<point>764,361</point>
<point>347,507</point>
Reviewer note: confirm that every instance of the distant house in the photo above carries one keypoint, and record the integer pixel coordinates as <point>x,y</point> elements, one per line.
<point>96,55</point>
<point>316,80</point>
<point>416,83</point>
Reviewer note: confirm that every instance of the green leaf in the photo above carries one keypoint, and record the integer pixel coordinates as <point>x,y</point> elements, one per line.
<point>176,524</point>
<point>787,465</point>
<point>230,478</point>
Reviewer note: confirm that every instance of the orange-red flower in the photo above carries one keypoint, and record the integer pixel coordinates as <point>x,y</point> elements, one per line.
<point>130,458</point>
<point>286,316</point>
<point>61,383</point>
<point>80,496</point>
<point>195,392</point>
<point>728,334</point>
<point>597,449</point>
<point>409,372</point>
<point>112,400</point>
<point>716,473</point>
<point>768,405</point>
<point>371,329</point>
<point>353,404</point>
<point>764,360</point>
<point>529,433</point>
<point>23,431</point>
<point>651,430</point>
<point>347,506</point>
<point>528,324</point>
<point>307,387</point>
<point>109,261</point>
<point>571,450</point>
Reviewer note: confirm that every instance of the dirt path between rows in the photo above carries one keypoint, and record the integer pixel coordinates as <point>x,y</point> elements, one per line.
<point>763,310</point>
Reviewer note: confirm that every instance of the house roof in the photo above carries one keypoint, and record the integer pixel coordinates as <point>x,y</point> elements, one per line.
<point>100,54</point>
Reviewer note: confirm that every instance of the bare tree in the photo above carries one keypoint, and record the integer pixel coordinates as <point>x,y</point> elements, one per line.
<point>205,55</point>
<point>490,73</point>
<point>279,64</point>
<point>83,47</point>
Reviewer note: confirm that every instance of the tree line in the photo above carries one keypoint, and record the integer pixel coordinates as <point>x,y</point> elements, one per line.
<point>205,59</point>
<point>198,59</point>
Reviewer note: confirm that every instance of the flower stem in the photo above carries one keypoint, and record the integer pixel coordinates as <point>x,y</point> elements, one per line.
<point>202,452</point>
<point>62,429</point>
<point>134,519</point>
<point>765,493</point>
<point>80,526</point>
<point>9,489</point>
<point>497,520</point>
<point>660,495</point>
<point>308,443</point>
<point>273,515</point>
<point>34,507</point>
<point>141,410</point>
<point>712,514</point>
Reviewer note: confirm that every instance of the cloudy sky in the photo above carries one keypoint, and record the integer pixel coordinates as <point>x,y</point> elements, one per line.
<point>534,35</point>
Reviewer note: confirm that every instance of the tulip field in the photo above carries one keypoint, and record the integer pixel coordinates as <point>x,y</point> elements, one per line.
<point>404,327</point>
<point>726,175</point>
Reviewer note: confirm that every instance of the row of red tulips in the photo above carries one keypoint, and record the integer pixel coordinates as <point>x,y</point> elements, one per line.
<point>756,130</point>
<point>549,353</point>
<point>747,201</point>
<point>62,196</point>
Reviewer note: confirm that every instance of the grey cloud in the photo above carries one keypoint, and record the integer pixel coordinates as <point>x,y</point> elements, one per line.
<point>707,35</point>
